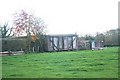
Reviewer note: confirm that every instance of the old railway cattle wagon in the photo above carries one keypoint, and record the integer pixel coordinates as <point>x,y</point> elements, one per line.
<point>61,42</point>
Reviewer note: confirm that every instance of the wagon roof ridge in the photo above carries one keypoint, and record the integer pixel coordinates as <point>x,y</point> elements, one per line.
<point>61,35</point>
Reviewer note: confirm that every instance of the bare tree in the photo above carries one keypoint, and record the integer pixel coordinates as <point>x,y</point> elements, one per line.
<point>26,23</point>
<point>5,31</point>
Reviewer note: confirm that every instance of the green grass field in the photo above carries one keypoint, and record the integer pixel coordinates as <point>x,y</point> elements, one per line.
<point>72,64</point>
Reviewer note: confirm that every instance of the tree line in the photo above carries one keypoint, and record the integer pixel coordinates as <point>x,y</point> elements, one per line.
<point>33,27</point>
<point>109,38</point>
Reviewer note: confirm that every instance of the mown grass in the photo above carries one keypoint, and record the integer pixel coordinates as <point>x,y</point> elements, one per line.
<point>72,64</point>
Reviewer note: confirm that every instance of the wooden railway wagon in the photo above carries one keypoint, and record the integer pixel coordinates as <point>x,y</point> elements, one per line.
<point>97,45</point>
<point>61,42</point>
<point>87,45</point>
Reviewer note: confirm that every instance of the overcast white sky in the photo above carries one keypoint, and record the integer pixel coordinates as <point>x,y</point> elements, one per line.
<point>67,16</point>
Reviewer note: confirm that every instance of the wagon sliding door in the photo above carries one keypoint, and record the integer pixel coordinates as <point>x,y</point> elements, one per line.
<point>65,43</point>
<point>70,43</point>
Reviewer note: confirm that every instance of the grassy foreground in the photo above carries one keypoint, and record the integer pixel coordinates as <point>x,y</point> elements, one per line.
<point>74,64</point>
